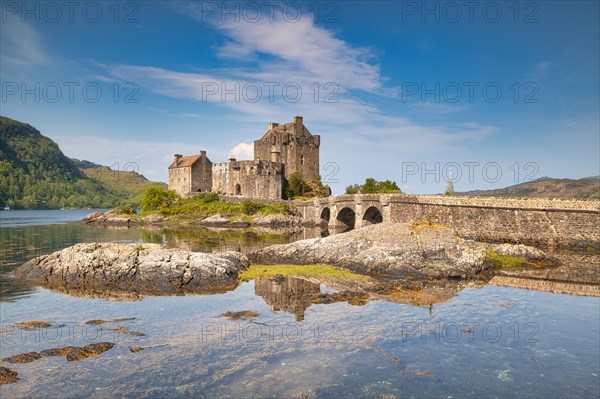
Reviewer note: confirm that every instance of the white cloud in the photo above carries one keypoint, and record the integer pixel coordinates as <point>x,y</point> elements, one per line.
<point>242,151</point>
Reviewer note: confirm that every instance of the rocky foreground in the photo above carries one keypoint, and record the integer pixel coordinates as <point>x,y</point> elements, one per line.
<point>389,250</point>
<point>395,250</point>
<point>146,269</point>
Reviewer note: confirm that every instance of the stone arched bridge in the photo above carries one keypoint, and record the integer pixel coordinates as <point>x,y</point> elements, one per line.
<point>531,221</point>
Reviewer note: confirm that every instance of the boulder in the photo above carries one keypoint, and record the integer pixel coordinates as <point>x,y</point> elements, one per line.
<point>93,217</point>
<point>155,219</point>
<point>277,221</point>
<point>221,221</point>
<point>146,269</point>
<point>520,250</point>
<point>387,250</point>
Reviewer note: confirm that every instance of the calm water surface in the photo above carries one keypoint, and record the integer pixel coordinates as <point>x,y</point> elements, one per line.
<point>484,342</point>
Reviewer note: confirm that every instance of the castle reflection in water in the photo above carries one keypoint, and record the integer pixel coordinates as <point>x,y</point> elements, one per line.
<point>288,294</point>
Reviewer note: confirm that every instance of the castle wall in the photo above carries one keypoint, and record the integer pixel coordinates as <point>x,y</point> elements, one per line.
<point>180,180</point>
<point>202,176</point>
<point>262,180</point>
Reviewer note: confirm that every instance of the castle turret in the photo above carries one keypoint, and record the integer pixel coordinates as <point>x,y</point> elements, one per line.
<point>275,154</point>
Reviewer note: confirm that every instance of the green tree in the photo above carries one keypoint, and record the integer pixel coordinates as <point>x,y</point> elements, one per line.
<point>372,186</point>
<point>353,189</point>
<point>156,198</point>
<point>296,186</point>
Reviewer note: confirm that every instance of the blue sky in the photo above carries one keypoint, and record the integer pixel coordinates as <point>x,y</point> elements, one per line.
<point>490,93</point>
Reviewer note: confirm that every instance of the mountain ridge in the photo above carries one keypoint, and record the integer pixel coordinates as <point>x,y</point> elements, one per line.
<point>545,187</point>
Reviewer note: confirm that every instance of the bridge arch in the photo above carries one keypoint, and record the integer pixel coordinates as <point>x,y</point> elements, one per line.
<point>325,215</point>
<point>347,218</point>
<point>372,216</point>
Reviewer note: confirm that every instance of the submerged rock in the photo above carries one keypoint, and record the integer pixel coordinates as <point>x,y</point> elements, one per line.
<point>241,315</point>
<point>8,376</point>
<point>148,269</point>
<point>80,353</point>
<point>32,325</point>
<point>390,250</point>
<point>23,357</point>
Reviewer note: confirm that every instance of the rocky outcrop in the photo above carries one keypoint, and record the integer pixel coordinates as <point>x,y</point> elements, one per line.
<point>389,250</point>
<point>278,221</point>
<point>221,221</point>
<point>145,269</point>
<point>272,221</point>
<point>111,218</point>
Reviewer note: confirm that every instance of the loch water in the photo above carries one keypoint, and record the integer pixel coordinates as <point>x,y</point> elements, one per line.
<point>485,341</point>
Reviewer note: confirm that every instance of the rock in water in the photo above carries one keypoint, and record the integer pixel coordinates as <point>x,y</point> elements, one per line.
<point>387,249</point>
<point>8,376</point>
<point>146,269</point>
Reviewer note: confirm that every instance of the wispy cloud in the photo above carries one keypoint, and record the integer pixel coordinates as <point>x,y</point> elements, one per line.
<point>304,53</point>
<point>20,45</point>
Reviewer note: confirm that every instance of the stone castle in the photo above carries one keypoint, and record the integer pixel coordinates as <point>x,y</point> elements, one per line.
<point>281,151</point>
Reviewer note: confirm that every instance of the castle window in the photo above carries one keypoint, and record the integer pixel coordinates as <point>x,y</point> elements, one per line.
<point>301,159</point>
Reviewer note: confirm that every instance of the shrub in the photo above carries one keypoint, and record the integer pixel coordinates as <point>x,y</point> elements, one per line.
<point>156,198</point>
<point>249,207</point>
<point>125,210</point>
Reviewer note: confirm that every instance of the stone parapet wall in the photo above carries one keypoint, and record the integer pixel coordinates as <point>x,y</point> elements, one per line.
<point>518,203</point>
<point>537,221</point>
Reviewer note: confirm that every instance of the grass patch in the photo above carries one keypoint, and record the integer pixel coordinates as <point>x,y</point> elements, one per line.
<point>505,261</point>
<point>204,205</point>
<point>301,271</point>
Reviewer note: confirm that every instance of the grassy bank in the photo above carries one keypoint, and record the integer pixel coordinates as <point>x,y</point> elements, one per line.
<point>204,205</point>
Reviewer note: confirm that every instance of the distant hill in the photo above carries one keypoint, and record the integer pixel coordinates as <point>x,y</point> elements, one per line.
<point>130,183</point>
<point>85,164</point>
<point>546,187</point>
<point>35,174</point>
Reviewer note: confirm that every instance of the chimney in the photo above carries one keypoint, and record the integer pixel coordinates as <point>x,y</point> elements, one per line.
<point>273,125</point>
<point>203,153</point>
<point>177,158</point>
<point>298,120</point>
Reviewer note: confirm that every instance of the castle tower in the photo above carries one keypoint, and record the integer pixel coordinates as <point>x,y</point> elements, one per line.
<point>293,145</point>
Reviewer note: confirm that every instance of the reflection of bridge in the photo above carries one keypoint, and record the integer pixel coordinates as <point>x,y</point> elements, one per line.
<point>535,221</point>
